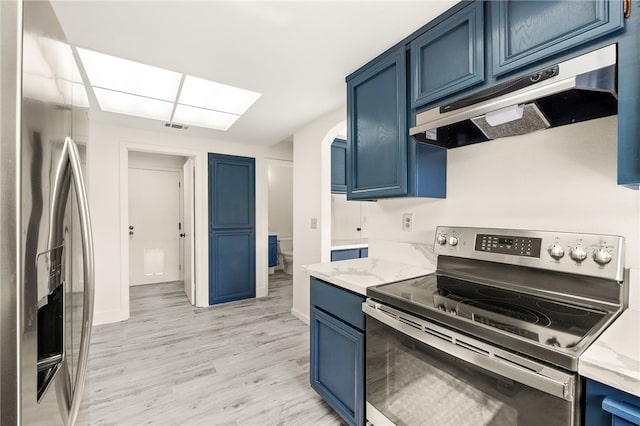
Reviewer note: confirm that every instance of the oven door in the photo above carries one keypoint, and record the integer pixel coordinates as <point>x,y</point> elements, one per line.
<point>419,373</point>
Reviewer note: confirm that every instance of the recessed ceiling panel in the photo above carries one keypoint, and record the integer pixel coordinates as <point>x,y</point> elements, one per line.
<point>216,96</point>
<point>203,117</point>
<point>125,103</point>
<point>110,72</point>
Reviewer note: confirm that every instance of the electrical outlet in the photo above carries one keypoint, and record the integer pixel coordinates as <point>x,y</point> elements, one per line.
<point>314,223</point>
<point>407,222</point>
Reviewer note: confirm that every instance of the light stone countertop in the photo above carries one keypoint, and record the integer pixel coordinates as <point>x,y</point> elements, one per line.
<point>349,244</point>
<point>614,358</point>
<point>358,274</point>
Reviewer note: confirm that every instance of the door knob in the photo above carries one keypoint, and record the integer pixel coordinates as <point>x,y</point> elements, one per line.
<point>183,235</point>
<point>131,227</point>
<point>131,232</point>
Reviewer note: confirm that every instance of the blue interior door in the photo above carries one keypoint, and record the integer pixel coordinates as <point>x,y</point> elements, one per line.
<point>232,232</point>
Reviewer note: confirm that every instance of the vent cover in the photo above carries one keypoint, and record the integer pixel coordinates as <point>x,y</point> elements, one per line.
<point>176,126</point>
<point>532,120</point>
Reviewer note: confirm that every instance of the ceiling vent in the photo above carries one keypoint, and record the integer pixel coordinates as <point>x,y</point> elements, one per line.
<point>176,126</point>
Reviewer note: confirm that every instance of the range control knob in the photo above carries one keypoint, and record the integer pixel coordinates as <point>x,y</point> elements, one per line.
<point>601,256</point>
<point>556,251</point>
<point>578,254</point>
<point>453,241</point>
<point>441,239</point>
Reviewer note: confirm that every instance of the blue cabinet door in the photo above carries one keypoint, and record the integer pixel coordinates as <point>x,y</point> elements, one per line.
<point>337,365</point>
<point>232,248</point>
<point>339,166</point>
<point>377,129</point>
<point>273,251</point>
<point>525,32</point>
<point>448,57</point>
<point>629,100</point>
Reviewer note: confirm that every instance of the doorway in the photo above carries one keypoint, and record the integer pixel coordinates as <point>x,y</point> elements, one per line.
<point>160,220</point>
<point>280,205</point>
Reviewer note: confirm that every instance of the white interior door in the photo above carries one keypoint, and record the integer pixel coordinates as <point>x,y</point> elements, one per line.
<point>188,231</point>
<point>154,241</point>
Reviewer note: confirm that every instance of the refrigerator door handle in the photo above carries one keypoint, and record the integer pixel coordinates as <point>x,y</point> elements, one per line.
<point>70,167</point>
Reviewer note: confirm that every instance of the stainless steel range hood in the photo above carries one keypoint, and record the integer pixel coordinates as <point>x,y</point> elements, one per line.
<point>580,89</point>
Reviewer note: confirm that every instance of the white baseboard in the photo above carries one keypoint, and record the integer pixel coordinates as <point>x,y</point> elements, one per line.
<point>296,313</point>
<point>262,292</point>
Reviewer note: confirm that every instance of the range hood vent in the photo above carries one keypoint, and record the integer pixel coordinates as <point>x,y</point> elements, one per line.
<point>580,89</point>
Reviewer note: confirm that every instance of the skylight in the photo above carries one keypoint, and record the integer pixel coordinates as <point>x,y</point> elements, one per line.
<point>216,96</point>
<point>109,72</point>
<point>132,88</point>
<point>204,117</point>
<point>126,103</point>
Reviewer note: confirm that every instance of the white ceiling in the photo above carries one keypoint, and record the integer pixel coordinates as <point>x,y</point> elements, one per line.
<point>296,53</point>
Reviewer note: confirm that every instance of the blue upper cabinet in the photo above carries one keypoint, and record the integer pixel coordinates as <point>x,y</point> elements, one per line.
<point>339,166</point>
<point>449,57</point>
<point>629,100</point>
<point>377,129</point>
<point>525,32</point>
<point>382,161</point>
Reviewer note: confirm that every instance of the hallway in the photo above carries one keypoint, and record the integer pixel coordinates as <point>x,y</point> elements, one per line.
<point>241,363</point>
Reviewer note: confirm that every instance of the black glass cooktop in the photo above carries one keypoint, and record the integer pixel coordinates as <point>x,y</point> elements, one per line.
<point>538,319</point>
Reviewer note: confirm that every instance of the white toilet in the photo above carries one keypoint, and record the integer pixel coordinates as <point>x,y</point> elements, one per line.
<point>285,253</point>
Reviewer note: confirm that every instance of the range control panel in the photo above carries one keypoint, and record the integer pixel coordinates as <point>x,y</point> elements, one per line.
<point>585,254</point>
<point>506,244</point>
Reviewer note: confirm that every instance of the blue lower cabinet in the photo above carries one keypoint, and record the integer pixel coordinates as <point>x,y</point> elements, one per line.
<point>609,406</point>
<point>337,349</point>
<point>344,254</point>
<point>337,365</point>
<point>347,254</point>
<point>273,251</point>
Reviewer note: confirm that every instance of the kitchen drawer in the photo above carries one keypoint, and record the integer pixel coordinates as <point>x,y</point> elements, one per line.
<point>340,303</point>
<point>605,405</point>
<point>345,254</point>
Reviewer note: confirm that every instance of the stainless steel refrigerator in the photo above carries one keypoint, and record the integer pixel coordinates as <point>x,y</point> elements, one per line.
<point>46,248</point>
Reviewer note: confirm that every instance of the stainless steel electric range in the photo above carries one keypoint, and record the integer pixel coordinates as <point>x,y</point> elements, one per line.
<point>494,335</point>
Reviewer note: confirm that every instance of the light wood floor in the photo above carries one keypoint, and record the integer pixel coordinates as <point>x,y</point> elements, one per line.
<point>241,363</point>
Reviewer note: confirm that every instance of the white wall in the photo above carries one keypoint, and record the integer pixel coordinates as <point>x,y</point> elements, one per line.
<point>107,166</point>
<point>347,216</point>
<point>560,179</point>
<point>312,199</point>
<point>152,161</point>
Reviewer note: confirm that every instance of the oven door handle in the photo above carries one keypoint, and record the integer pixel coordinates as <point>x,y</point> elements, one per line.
<point>538,376</point>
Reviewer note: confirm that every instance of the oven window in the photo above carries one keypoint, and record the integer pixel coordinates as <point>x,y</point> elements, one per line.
<point>411,383</point>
